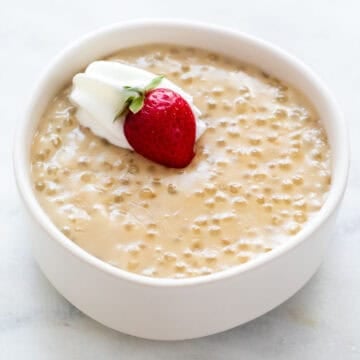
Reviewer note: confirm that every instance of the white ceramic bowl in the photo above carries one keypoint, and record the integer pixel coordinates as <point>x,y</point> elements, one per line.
<point>169,309</point>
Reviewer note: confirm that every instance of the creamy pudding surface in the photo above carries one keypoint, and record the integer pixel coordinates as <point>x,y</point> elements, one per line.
<point>261,172</point>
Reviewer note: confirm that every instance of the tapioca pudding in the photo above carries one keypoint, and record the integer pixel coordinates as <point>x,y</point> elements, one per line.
<point>260,173</point>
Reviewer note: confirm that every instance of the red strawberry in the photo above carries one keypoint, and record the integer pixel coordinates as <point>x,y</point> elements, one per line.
<point>160,126</point>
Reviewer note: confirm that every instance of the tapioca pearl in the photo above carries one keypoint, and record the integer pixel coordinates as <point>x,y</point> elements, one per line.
<point>268,207</point>
<point>281,97</point>
<point>252,165</point>
<point>133,249</point>
<point>284,213</point>
<point>68,121</point>
<point>272,137</point>
<point>210,188</point>
<point>196,229</point>
<point>230,150</point>
<point>158,56</point>
<point>258,248</point>
<point>133,169</point>
<point>211,129</point>
<point>214,229</point>
<point>276,220</point>
<point>223,123</point>
<point>300,204</point>
<point>281,198</point>
<point>210,256</point>
<point>39,185</point>
<point>151,169</point>
<point>235,188</point>
<point>147,193</point>
<point>293,228</point>
<point>106,165</point>
<point>325,177</point>
<point>213,57</point>
<point>243,90</point>
<point>199,193</point>
<point>297,180</point>
<point>254,139</point>
<point>300,216</point>
<point>239,201</point>
<point>287,184</point>
<point>260,176</point>
<point>58,129</point>
<point>83,161</point>
<point>65,171</point>
<point>185,67</point>
<point>256,152</point>
<point>210,203</point>
<point>275,125</point>
<point>314,205</point>
<point>316,154</point>
<point>267,190</point>
<point>151,233</point>
<point>241,105</point>
<point>201,220</point>
<point>280,114</point>
<point>86,177</point>
<point>206,271</point>
<point>108,181</point>
<point>51,188</point>
<point>260,199</point>
<point>132,265</point>
<point>55,141</point>
<point>156,181</point>
<point>261,121</point>
<point>254,188</point>
<point>242,259</point>
<point>205,153</point>
<point>187,78</point>
<point>196,244</point>
<point>221,142</point>
<point>243,246</point>
<point>225,241</point>
<point>43,154</point>
<point>229,250</point>
<point>285,164</point>
<point>66,230</point>
<point>233,132</point>
<point>217,91</point>
<point>294,153</point>
<point>216,219</point>
<point>180,266</point>
<point>118,196</point>
<point>220,196</point>
<point>187,253</point>
<point>129,225</point>
<point>211,103</point>
<point>151,271</point>
<point>242,121</point>
<point>296,135</point>
<point>227,105</point>
<point>222,163</point>
<point>172,189</point>
<point>222,186</point>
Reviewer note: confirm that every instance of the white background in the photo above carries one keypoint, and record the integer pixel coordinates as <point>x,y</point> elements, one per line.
<point>322,321</point>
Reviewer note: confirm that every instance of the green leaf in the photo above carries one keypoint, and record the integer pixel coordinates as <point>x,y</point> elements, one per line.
<point>135,96</point>
<point>136,104</point>
<point>154,83</point>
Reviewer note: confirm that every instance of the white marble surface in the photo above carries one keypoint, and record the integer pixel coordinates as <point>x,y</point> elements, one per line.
<point>321,322</point>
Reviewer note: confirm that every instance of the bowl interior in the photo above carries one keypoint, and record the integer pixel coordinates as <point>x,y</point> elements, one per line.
<point>238,46</point>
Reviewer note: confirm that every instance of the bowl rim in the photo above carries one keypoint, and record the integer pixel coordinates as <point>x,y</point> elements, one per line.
<point>38,214</point>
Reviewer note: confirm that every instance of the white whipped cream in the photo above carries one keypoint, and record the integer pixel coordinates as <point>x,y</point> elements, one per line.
<point>99,93</point>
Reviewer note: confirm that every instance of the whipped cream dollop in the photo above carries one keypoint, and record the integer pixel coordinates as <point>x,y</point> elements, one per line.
<point>99,93</point>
